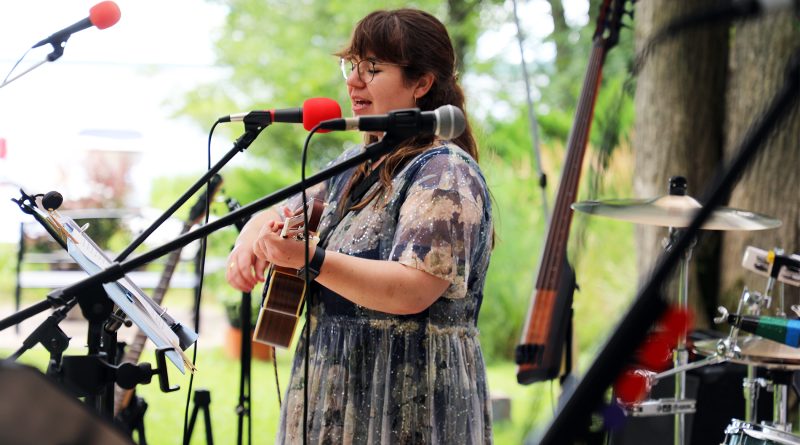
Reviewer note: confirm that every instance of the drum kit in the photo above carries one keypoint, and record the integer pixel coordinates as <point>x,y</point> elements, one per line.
<point>676,211</point>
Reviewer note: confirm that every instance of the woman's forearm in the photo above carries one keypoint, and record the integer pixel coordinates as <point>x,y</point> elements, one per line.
<point>385,286</point>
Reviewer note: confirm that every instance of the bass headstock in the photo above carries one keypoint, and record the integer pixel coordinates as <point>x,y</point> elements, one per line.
<point>610,21</point>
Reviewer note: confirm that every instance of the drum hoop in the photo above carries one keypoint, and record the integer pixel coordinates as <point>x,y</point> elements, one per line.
<point>761,432</point>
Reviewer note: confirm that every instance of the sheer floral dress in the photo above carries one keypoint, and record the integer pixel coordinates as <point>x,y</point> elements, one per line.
<point>378,378</point>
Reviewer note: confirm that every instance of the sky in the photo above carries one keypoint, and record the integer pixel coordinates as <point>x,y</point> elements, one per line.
<point>112,90</point>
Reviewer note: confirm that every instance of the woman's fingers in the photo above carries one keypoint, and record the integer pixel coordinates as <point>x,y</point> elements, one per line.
<point>259,267</point>
<point>240,272</point>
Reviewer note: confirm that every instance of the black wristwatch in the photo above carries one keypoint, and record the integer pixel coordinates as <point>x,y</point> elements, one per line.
<point>314,265</point>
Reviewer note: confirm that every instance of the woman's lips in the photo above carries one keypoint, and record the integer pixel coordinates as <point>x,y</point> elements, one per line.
<point>359,105</point>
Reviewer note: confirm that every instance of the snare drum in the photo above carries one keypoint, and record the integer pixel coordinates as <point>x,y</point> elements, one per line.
<point>743,433</point>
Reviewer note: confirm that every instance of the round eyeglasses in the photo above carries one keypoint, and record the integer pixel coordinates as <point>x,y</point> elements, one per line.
<point>365,68</point>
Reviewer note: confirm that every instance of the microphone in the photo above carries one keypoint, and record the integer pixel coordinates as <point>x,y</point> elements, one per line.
<point>312,112</point>
<point>446,121</point>
<point>101,15</point>
<point>781,330</point>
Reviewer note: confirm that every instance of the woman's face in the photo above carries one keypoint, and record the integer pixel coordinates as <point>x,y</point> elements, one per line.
<point>386,91</point>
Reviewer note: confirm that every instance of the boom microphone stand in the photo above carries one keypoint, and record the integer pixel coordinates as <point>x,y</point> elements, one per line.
<point>117,270</point>
<point>244,409</point>
<point>59,299</point>
<point>102,341</point>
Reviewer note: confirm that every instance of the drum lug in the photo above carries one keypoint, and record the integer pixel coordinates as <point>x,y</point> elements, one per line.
<point>660,407</point>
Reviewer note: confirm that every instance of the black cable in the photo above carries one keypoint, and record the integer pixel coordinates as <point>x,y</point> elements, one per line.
<point>275,368</point>
<point>200,273</point>
<point>306,277</point>
<point>15,66</point>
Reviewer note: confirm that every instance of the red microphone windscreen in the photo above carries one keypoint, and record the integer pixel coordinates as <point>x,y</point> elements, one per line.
<point>318,109</point>
<point>104,14</point>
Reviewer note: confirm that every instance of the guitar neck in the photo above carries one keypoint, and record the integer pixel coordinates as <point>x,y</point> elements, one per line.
<point>561,219</point>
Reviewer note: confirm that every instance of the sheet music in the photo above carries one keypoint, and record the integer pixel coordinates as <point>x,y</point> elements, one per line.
<point>129,297</point>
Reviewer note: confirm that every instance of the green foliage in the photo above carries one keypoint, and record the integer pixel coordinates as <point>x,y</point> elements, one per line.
<point>233,304</point>
<point>518,225</point>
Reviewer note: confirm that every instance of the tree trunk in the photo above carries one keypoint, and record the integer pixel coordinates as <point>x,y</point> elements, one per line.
<point>759,54</point>
<point>459,13</point>
<point>678,129</point>
<point>560,35</point>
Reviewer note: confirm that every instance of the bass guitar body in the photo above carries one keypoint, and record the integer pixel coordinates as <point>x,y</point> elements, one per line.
<point>285,290</point>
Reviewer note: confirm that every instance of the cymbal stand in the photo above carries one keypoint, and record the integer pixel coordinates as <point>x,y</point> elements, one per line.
<point>779,381</point>
<point>681,356</point>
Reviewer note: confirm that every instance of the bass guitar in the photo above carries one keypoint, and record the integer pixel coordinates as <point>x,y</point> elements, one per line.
<point>285,290</point>
<point>541,349</point>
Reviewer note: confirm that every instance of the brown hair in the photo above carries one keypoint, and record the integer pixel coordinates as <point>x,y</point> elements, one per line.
<point>420,42</point>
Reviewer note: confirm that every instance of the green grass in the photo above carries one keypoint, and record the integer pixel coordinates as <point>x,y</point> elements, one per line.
<point>220,373</point>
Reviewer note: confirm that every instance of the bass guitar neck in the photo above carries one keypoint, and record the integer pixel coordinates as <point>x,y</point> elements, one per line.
<point>542,346</point>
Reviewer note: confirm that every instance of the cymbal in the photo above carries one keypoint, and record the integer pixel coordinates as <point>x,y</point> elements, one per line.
<point>675,211</point>
<point>756,351</point>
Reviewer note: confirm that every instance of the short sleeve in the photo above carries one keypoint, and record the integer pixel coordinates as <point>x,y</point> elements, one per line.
<point>440,222</point>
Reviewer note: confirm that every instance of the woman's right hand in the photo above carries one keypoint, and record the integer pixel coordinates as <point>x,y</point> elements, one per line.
<point>245,270</point>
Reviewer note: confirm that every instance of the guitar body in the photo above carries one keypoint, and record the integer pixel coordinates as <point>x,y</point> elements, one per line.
<point>284,293</point>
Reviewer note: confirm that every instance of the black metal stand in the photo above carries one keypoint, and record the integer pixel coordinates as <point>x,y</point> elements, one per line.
<point>246,359</point>
<point>649,304</point>
<point>243,409</point>
<point>131,419</point>
<point>117,270</point>
<point>20,256</point>
<point>202,400</point>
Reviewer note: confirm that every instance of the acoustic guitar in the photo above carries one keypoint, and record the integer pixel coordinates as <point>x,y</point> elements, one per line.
<point>123,397</point>
<point>285,290</point>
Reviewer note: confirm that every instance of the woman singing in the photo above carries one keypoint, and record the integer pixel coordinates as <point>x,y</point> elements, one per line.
<point>403,253</point>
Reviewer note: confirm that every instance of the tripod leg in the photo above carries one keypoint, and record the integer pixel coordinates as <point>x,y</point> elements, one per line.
<point>202,400</point>
<point>209,435</point>
<point>191,424</point>
<point>140,431</point>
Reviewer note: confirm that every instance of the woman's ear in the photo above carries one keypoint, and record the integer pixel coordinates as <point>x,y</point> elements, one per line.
<point>424,84</point>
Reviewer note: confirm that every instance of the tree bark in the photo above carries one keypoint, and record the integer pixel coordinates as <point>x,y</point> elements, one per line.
<point>760,51</point>
<point>459,12</point>
<point>679,105</point>
<point>560,35</point>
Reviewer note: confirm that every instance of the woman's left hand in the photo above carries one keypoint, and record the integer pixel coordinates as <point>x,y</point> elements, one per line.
<point>286,252</point>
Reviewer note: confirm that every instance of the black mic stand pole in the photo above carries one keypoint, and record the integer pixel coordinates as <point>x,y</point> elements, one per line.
<point>244,408</point>
<point>251,133</point>
<point>58,50</point>
<point>240,145</point>
<point>117,270</point>
<point>649,304</point>
<point>102,342</point>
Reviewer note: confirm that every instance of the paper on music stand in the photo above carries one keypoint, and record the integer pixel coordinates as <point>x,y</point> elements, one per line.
<point>127,296</point>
